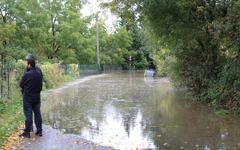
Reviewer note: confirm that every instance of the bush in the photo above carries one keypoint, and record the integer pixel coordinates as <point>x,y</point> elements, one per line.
<point>53,75</point>
<point>73,70</point>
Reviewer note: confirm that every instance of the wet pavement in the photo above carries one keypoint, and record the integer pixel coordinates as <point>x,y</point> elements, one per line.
<point>54,140</point>
<point>128,111</point>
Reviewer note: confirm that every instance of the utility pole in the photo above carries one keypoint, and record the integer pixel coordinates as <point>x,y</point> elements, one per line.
<point>97,38</point>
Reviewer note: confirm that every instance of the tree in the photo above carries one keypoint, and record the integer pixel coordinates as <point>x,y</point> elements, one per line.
<point>202,36</point>
<point>129,12</point>
<point>115,47</point>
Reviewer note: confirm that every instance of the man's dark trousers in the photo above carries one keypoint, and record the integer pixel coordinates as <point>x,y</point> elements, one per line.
<point>28,108</point>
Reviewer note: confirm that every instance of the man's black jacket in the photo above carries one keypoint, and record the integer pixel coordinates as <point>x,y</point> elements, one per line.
<point>37,68</point>
<point>31,85</point>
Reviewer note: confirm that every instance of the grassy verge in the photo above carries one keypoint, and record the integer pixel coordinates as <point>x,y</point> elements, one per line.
<point>10,117</point>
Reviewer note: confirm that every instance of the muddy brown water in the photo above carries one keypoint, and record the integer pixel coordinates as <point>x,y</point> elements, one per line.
<point>128,111</point>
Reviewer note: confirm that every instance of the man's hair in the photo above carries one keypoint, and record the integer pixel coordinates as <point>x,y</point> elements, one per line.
<point>32,63</point>
<point>30,57</point>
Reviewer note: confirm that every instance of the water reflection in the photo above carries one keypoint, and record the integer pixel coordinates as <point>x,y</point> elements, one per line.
<point>113,131</point>
<point>126,110</point>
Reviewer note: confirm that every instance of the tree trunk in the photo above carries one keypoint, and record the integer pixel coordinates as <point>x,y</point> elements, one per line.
<point>1,77</point>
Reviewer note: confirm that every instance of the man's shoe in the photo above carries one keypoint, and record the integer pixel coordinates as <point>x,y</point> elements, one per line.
<point>38,133</point>
<point>25,135</point>
<point>23,129</point>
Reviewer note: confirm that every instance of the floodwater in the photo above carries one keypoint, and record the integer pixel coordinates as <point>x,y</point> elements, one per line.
<point>128,111</point>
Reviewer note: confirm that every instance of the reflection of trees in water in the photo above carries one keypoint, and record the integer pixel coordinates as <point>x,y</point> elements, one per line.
<point>73,107</point>
<point>133,94</point>
<point>166,116</point>
<point>158,111</point>
<point>128,121</point>
<point>171,119</point>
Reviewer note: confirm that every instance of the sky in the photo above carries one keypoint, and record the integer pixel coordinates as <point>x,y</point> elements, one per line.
<point>92,6</point>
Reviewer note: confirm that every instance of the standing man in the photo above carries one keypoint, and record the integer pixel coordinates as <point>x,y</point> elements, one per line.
<point>31,85</point>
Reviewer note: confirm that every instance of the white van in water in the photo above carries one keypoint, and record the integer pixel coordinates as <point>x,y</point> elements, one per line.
<point>149,73</point>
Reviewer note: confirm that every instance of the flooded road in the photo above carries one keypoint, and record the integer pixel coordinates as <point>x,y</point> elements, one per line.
<point>127,111</point>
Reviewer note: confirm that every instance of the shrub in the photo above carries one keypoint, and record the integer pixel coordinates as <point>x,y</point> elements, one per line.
<point>53,75</point>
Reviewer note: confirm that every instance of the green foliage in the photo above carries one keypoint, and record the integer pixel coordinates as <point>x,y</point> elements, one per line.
<point>50,80</point>
<point>73,71</point>
<point>128,11</point>
<point>49,72</point>
<point>56,32</point>
<point>222,113</point>
<point>11,116</point>
<point>20,66</point>
<point>115,47</point>
<point>202,36</point>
